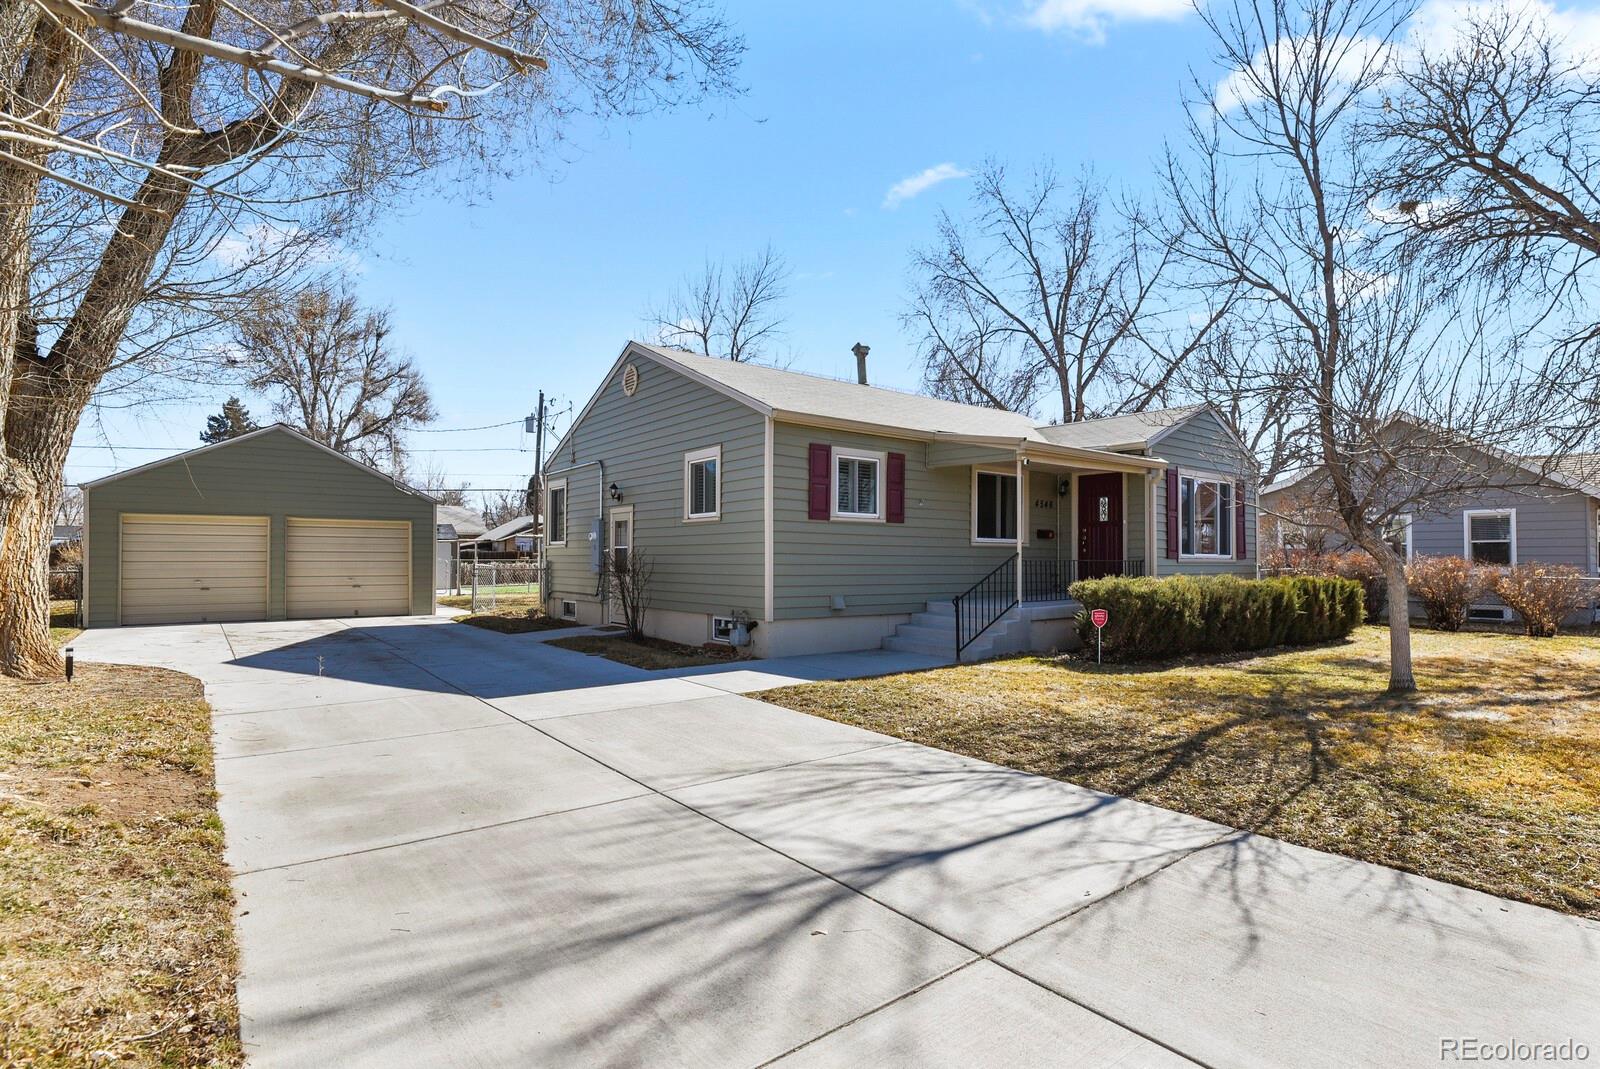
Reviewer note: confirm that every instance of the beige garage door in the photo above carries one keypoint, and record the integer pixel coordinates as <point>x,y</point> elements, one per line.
<point>348,568</point>
<point>193,569</point>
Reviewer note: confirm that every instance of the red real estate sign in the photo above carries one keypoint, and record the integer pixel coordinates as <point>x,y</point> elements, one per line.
<point>1099,617</point>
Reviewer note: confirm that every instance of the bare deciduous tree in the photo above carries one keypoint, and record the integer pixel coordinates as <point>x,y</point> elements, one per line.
<point>161,160</point>
<point>328,366</point>
<point>1043,291</point>
<point>503,507</point>
<point>1274,198</point>
<point>1493,144</point>
<point>627,579</point>
<point>728,310</point>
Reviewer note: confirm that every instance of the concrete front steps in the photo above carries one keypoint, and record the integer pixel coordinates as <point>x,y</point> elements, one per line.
<point>1033,626</point>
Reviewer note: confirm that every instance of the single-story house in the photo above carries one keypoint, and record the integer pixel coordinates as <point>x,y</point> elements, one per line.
<point>270,525</point>
<point>838,516</point>
<point>1527,510</point>
<point>62,534</point>
<point>455,526</point>
<point>519,535</point>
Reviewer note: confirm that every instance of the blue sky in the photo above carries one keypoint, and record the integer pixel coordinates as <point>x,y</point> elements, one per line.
<point>537,282</point>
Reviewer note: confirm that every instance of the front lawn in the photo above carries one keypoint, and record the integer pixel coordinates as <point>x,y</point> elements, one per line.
<point>116,917</point>
<point>1488,777</point>
<point>651,653</point>
<point>64,621</point>
<point>520,599</point>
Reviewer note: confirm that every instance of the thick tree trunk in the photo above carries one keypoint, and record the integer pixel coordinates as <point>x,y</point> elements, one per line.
<point>27,514</point>
<point>1401,680</point>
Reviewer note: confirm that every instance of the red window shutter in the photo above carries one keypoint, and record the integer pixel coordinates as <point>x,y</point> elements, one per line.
<point>896,485</point>
<point>1238,524</point>
<point>819,481</point>
<point>1172,513</point>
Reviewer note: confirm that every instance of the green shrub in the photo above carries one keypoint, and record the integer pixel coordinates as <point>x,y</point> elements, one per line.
<point>1157,618</point>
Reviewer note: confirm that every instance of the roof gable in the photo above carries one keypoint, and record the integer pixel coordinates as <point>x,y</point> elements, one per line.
<point>255,435</point>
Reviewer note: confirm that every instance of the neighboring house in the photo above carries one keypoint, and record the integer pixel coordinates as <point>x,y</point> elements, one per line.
<point>266,526</point>
<point>519,537</point>
<point>455,526</point>
<point>840,516</point>
<point>1528,511</point>
<point>63,533</point>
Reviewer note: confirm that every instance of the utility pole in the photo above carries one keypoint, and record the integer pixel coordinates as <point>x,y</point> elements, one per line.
<point>535,423</point>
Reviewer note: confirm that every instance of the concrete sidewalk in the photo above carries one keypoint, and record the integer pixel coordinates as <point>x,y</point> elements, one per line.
<point>459,847</point>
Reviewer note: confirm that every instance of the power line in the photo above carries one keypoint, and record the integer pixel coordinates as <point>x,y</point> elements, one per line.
<point>463,430</point>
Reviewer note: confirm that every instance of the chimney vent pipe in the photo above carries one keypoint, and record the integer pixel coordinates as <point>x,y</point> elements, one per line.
<point>861,352</point>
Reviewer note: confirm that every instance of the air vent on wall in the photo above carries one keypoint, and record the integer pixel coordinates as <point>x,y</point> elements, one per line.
<point>630,380</point>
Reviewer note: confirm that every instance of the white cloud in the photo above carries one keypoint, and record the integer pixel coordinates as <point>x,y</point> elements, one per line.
<point>1438,24</point>
<point>258,242</point>
<point>1352,56</point>
<point>1089,18</point>
<point>919,184</point>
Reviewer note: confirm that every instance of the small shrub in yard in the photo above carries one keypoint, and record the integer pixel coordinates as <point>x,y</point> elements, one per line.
<point>1156,618</point>
<point>1447,588</point>
<point>1361,567</point>
<point>1542,595</point>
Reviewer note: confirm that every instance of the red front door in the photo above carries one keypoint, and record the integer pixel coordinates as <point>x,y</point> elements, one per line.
<point>1099,525</point>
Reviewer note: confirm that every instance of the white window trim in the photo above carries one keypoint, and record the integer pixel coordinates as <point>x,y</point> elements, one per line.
<point>567,614</point>
<point>690,459</point>
<point>1232,483</point>
<point>972,501</point>
<point>1405,519</point>
<point>732,624</point>
<point>566,512</point>
<point>881,459</point>
<point>1466,530</point>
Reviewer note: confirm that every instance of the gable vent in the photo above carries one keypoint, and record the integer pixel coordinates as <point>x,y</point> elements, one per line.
<point>630,380</point>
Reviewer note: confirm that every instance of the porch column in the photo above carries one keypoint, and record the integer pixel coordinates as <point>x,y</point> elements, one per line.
<point>1021,514</point>
<point>1154,483</point>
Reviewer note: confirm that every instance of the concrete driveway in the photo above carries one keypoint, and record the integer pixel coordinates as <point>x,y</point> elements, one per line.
<point>461,848</point>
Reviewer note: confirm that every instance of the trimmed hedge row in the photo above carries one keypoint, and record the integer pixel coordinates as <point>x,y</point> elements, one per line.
<point>1154,618</point>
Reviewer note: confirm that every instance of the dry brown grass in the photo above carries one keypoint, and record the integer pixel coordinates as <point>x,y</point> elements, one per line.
<point>518,602</point>
<point>116,925</point>
<point>650,653</point>
<point>1489,777</point>
<point>515,622</point>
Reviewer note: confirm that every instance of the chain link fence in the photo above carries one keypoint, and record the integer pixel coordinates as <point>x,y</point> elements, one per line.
<point>489,581</point>
<point>66,589</point>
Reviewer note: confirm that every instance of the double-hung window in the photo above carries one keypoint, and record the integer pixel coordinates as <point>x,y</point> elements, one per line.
<point>702,484</point>
<point>994,506</point>
<point>1397,532</point>
<point>1491,536</point>
<point>1205,516</point>
<point>555,513</point>
<point>857,486</point>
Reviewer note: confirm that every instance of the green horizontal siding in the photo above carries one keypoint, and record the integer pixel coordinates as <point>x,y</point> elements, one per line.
<point>708,566</point>
<point>1204,444</point>
<point>277,475</point>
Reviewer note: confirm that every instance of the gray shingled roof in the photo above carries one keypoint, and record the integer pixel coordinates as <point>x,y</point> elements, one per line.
<point>1118,432</point>
<point>509,528</point>
<point>798,392</point>
<point>468,523</point>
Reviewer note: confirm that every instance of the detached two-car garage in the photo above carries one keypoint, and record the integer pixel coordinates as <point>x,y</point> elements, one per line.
<point>270,525</point>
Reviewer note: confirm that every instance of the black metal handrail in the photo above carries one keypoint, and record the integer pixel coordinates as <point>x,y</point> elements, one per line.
<point>1044,579</point>
<point>985,602</point>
